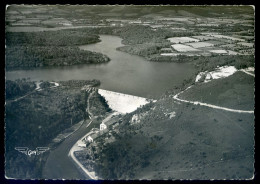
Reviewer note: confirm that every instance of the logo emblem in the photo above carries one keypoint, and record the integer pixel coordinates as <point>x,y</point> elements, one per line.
<point>28,152</point>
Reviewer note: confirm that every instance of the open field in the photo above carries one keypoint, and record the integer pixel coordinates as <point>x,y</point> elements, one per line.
<point>200,44</point>
<point>203,38</point>
<point>228,45</point>
<point>182,39</point>
<point>227,37</point>
<point>216,42</point>
<point>183,48</point>
<point>179,28</point>
<point>246,44</point>
<point>231,52</point>
<point>218,51</point>
<point>170,54</point>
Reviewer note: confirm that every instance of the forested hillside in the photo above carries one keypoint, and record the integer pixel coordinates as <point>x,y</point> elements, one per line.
<point>55,48</point>
<point>35,120</point>
<point>18,88</point>
<point>38,56</point>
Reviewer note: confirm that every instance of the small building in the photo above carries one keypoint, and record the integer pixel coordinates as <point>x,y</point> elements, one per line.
<point>103,126</point>
<point>81,144</point>
<point>87,140</point>
<point>90,139</point>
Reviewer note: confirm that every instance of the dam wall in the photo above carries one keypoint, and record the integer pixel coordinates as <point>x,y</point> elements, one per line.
<point>121,102</point>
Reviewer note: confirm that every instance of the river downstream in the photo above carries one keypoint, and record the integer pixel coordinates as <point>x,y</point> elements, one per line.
<point>125,73</point>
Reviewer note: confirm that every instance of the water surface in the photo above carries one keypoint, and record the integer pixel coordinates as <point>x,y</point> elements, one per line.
<point>125,73</point>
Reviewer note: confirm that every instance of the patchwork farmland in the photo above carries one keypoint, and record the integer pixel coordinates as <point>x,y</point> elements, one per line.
<point>207,44</point>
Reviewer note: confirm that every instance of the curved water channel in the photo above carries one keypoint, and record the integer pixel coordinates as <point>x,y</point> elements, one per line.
<point>125,73</point>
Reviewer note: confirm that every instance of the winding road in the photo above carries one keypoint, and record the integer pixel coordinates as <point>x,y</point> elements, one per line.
<point>243,70</point>
<point>210,105</point>
<point>38,88</point>
<point>59,165</point>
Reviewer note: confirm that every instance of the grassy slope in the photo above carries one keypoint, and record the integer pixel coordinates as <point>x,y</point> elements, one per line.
<point>198,143</point>
<point>163,148</point>
<point>236,91</point>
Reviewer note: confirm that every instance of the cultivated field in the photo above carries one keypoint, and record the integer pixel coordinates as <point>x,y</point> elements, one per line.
<point>246,44</point>
<point>182,39</point>
<point>220,51</point>
<point>184,48</point>
<point>203,38</point>
<point>170,54</point>
<point>200,44</point>
<point>226,37</point>
<point>231,52</point>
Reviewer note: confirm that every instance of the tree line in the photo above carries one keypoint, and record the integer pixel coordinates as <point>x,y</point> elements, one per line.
<point>38,56</point>
<point>54,48</point>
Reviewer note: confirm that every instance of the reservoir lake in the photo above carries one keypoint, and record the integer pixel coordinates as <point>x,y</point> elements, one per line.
<point>124,73</point>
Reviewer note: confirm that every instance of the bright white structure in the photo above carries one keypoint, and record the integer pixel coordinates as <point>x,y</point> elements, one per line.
<point>122,103</point>
<point>103,126</point>
<point>220,72</point>
<point>81,144</point>
<point>218,51</point>
<point>90,139</point>
<point>170,54</point>
<point>182,39</point>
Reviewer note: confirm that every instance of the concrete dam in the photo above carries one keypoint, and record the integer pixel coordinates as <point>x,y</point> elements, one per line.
<point>121,102</point>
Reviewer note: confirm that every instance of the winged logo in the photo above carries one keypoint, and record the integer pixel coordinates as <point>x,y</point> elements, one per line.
<point>28,152</point>
<point>22,150</point>
<point>40,150</point>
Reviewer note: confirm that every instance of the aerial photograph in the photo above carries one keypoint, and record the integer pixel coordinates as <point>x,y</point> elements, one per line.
<point>129,92</point>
